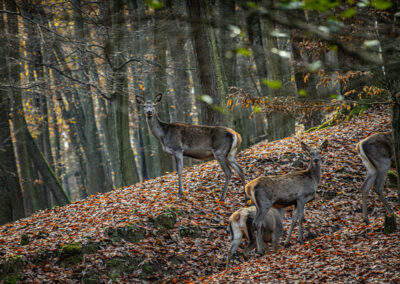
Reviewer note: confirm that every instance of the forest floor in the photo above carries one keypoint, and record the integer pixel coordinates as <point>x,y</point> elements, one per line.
<point>145,233</point>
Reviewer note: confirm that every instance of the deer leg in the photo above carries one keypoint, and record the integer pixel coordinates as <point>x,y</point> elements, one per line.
<point>300,209</point>
<point>378,187</point>
<point>276,235</point>
<point>264,204</point>
<point>294,220</point>
<point>240,172</point>
<point>224,163</point>
<point>365,188</point>
<point>179,165</point>
<point>251,242</point>
<point>237,238</point>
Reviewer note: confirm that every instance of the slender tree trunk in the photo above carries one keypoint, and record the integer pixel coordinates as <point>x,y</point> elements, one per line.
<point>126,172</point>
<point>11,202</point>
<point>209,66</point>
<point>27,148</point>
<point>97,180</point>
<point>390,42</point>
<point>161,84</point>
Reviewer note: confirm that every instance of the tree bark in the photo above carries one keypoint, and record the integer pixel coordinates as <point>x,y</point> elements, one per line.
<point>207,60</point>
<point>11,201</point>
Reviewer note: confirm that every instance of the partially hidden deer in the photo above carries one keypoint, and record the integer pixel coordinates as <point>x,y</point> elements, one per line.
<point>241,227</point>
<point>196,141</point>
<point>376,152</point>
<point>279,191</point>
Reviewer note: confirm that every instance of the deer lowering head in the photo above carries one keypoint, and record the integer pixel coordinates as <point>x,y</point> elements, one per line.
<point>376,152</point>
<point>297,188</point>
<point>241,226</point>
<point>195,141</point>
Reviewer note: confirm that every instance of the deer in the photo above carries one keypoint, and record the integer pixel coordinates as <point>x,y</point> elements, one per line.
<point>241,226</point>
<point>377,155</point>
<point>200,142</point>
<point>280,191</point>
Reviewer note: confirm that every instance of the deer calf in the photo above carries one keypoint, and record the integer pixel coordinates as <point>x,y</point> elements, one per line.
<point>376,152</point>
<point>196,141</point>
<point>297,188</point>
<point>241,225</point>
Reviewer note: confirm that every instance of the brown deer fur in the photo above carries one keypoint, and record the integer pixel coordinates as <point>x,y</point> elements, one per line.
<point>196,141</point>
<point>376,152</point>
<point>297,188</point>
<point>241,226</point>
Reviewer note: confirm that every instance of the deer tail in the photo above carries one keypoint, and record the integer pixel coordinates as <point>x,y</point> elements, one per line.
<point>367,162</point>
<point>236,141</point>
<point>250,191</point>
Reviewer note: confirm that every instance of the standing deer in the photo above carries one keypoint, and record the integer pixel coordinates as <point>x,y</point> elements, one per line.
<point>376,152</point>
<point>297,188</point>
<point>241,225</point>
<point>195,141</point>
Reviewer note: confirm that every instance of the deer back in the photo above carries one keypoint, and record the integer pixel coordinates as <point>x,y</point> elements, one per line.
<point>199,141</point>
<point>283,190</point>
<point>376,147</point>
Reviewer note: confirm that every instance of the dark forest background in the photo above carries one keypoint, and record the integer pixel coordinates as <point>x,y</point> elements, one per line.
<point>69,70</point>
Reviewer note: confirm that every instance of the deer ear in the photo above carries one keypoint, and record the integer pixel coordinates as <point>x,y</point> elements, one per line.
<point>324,145</point>
<point>139,100</point>
<point>157,98</point>
<point>305,147</point>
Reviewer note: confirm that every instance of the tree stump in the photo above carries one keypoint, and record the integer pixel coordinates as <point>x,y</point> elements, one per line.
<point>390,224</point>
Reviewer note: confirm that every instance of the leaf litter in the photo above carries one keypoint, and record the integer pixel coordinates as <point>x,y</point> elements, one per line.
<point>338,246</point>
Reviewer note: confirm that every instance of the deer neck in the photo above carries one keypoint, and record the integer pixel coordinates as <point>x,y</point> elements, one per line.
<point>315,170</point>
<point>156,126</point>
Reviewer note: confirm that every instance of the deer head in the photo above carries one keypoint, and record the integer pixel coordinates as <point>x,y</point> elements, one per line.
<point>315,152</point>
<point>149,106</point>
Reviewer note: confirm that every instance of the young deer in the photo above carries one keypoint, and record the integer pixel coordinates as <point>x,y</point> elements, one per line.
<point>297,188</point>
<point>376,152</point>
<point>195,141</point>
<point>241,225</point>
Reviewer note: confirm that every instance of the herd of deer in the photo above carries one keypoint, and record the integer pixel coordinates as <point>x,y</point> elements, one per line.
<point>262,223</point>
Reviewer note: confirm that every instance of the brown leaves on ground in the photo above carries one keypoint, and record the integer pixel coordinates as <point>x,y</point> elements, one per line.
<point>338,247</point>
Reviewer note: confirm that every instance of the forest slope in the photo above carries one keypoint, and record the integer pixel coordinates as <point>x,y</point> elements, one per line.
<point>143,232</point>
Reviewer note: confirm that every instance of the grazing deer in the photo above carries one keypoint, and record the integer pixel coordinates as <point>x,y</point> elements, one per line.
<point>195,141</point>
<point>376,152</point>
<point>297,188</point>
<point>241,225</point>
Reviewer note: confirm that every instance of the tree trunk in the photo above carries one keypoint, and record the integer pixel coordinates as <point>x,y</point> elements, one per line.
<point>208,62</point>
<point>161,84</point>
<point>390,43</point>
<point>11,202</point>
<point>97,179</point>
<point>126,172</point>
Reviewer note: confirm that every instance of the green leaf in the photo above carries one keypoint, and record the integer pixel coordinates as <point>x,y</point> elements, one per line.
<point>315,65</point>
<point>206,98</point>
<point>333,47</point>
<point>349,13</point>
<point>302,93</point>
<point>320,5</point>
<point>381,4</point>
<point>252,4</point>
<point>273,84</point>
<point>155,4</point>
<point>243,51</point>
<point>256,108</point>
